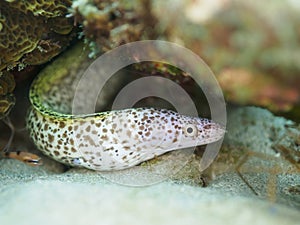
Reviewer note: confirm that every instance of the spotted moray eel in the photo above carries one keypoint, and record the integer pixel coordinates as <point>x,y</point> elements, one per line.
<point>104,141</point>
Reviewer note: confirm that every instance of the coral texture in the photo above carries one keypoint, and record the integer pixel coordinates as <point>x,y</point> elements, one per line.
<point>32,32</point>
<point>39,29</point>
<point>7,100</point>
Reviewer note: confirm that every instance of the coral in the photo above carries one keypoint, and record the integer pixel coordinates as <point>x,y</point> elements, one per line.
<point>32,32</point>
<point>19,35</point>
<point>108,24</point>
<point>52,8</point>
<point>25,27</point>
<point>7,100</point>
<point>6,104</point>
<point>7,83</point>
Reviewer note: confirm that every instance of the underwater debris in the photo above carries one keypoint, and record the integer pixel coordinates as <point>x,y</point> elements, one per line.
<point>108,24</point>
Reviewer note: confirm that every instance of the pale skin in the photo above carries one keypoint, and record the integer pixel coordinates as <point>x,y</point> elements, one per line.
<point>111,140</point>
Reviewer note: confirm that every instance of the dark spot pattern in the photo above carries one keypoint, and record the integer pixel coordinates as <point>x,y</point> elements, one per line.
<point>112,140</point>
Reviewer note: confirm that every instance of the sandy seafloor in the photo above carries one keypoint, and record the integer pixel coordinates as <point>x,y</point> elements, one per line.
<point>39,195</point>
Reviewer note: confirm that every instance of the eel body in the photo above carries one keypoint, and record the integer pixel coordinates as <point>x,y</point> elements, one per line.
<point>104,141</point>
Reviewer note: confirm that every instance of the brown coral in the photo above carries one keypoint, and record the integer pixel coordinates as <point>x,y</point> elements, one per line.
<point>32,32</point>
<point>52,8</point>
<point>19,35</point>
<point>22,30</point>
<point>7,100</point>
<point>108,24</point>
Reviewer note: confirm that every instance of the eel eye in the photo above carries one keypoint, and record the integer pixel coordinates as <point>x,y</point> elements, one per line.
<point>190,130</point>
